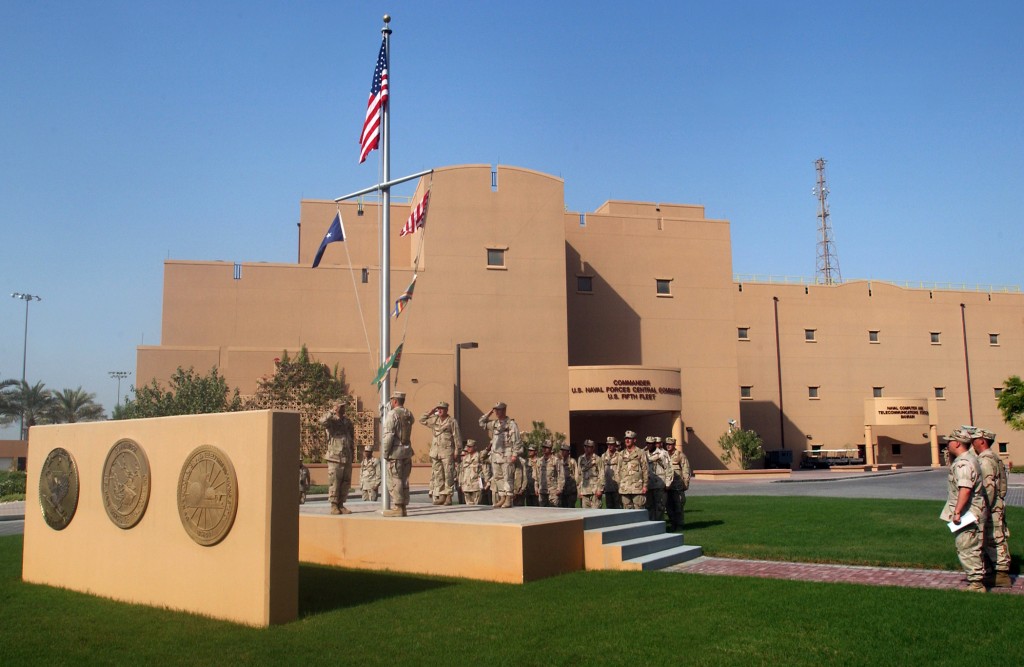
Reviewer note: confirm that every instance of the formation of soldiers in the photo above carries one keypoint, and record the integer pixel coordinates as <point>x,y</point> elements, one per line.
<point>506,473</point>
<point>977,484</point>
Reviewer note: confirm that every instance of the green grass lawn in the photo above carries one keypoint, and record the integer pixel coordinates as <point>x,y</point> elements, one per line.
<point>588,618</point>
<point>902,533</point>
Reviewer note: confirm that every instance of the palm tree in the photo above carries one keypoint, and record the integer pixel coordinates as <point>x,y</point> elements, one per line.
<point>30,402</point>
<point>7,411</point>
<point>74,405</point>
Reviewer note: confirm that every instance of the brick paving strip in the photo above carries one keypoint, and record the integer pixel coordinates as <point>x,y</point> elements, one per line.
<point>847,574</point>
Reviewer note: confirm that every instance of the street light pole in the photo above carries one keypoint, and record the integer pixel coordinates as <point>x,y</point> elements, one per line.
<point>459,347</point>
<point>27,298</point>
<point>119,375</point>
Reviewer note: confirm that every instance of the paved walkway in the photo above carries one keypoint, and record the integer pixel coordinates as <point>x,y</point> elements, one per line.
<point>834,574</point>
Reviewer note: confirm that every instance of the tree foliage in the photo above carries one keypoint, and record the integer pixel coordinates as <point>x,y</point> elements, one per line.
<point>1011,402</point>
<point>74,405</point>
<point>539,433</point>
<point>307,386</point>
<point>32,401</point>
<point>188,393</point>
<point>741,446</point>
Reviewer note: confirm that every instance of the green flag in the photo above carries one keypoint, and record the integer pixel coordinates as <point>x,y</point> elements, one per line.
<point>392,362</point>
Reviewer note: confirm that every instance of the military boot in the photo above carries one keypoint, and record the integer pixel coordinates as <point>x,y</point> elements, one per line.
<point>344,510</point>
<point>1003,580</point>
<point>402,509</point>
<point>397,510</point>
<point>975,587</point>
<point>446,500</point>
<point>335,509</point>
<point>439,499</point>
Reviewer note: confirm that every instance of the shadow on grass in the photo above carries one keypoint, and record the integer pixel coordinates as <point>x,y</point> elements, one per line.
<point>696,525</point>
<point>323,589</point>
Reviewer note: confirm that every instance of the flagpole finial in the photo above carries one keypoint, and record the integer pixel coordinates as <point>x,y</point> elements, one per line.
<point>387,18</point>
<point>387,24</point>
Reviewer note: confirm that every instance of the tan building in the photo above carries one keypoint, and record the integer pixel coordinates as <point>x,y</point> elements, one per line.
<point>624,318</point>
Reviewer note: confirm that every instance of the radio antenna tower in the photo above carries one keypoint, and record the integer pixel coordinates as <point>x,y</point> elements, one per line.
<point>827,267</point>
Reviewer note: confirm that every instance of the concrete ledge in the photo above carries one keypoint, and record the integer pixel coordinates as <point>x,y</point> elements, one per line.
<point>742,475</point>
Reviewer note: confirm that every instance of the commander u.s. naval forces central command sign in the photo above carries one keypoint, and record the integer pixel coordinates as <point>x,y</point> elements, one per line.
<point>624,388</point>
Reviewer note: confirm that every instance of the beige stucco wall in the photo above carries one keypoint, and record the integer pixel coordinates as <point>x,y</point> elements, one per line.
<point>846,366</point>
<point>250,577</point>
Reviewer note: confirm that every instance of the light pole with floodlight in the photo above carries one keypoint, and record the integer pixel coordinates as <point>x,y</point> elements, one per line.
<point>27,298</point>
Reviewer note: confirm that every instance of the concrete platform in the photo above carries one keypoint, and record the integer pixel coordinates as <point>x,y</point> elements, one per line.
<point>513,545</point>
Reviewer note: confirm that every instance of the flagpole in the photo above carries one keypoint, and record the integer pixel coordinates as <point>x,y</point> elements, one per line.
<point>385,267</point>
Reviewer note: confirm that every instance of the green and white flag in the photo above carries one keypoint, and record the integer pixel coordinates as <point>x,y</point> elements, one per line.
<point>392,362</point>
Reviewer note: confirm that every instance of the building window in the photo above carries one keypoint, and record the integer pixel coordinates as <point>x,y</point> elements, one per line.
<point>897,449</point>
<point>998,391</point>
<point>366,276</point>
<point>812,392</point>
<point>585,284</point>
<point>1002,447</point>
<point>876,392</point>
<point>746,392</point>
<point>873,336</point>
<point>496,258</point>
<point>743,333</point>
<point>940,393</point>
<point>993,339</point>
<point>935,338</point>
<point>811,335</point>
<point>663,286</point>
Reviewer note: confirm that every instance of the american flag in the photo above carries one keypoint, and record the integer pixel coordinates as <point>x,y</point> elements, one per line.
<point>418,216</point>
<point>375,107</point>
<point>403,301</point>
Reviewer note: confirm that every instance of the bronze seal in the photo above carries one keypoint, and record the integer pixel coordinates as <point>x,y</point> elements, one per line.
<point>207,495</point>
<point>58,488</point>
<point>126,480</point>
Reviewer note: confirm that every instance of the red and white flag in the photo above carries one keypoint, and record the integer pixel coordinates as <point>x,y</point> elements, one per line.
<point>370,137</point>
<point>418,216</point>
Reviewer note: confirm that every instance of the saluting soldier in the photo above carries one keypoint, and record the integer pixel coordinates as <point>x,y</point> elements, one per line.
<point>471,474</point>
<point>590,477</point>
<point>611,474</point>
<point>445,438</point>
<point>676,492</point>
<point>993,473</point>
<point>369,475</point>
<point>341,438</point>
<point>506,448</point>
<point>632,474</point>
<point>659,468</point>
<point>398,453</point>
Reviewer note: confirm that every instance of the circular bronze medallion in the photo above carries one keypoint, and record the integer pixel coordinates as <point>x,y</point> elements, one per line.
<point>207,495</point>
<point>125,488</point>
<point>58,488</point>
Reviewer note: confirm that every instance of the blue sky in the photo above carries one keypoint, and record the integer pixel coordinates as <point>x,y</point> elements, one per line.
<point>133,132</point>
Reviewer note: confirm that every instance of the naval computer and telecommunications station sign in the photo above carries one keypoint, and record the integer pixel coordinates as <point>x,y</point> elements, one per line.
<point>624,388</point>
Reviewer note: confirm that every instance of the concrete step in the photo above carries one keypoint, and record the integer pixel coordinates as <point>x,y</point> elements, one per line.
<point>607,518</point>
<point>629,531</point>
<point>642,546</point>
<point>666,558</point>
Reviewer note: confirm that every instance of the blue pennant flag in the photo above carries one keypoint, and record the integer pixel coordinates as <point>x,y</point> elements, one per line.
<point>335,233</point>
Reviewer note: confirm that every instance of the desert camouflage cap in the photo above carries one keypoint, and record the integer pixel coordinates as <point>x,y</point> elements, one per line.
<point>565,447</point>
<point>588,443</point>
<point>546,444</point>
<point>988,435</point>
<point>631,434</point>
<point>500,406</point>
<point>531,448</point>
<point>657,438</point>
<point>398,394</point>
<point>649,440</point>
<point>961,435</point>
<point>443,404</point>
<point>610,440</point>
<point>470,443</point>
<point>670,440</point>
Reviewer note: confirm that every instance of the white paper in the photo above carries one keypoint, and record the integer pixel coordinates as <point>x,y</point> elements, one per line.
<point>965,520</point>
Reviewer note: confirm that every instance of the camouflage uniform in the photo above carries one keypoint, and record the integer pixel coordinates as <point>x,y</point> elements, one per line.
<point>519,481</point>
<point>994,478</point>
<point>659,469</point>
<point>369,476</point>
<point>680,483</point>
<point>570,472</point>
<point>340,452</point>
<point>503,434</point>
<point>446,437</point>
<point>611,479</point>
<point>485,494</point>
<point>965,472</point>
<point>398,454</point>
<point>632,475</point>
<point>531,479</point>
<point>471,475</point>
<point>547,472</point>
<point>590,477</point>
<point>303,482</point>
